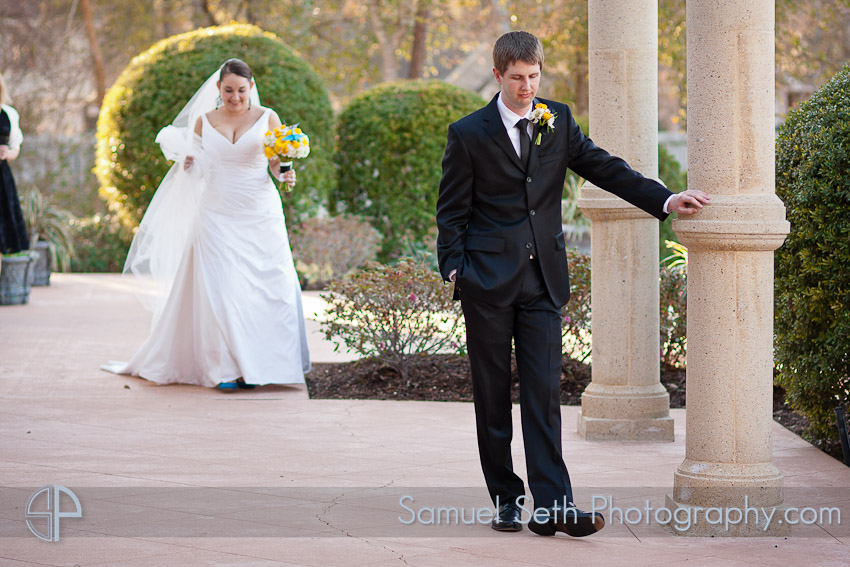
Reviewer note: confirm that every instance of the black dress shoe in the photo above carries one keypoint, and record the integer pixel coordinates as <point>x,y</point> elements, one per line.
<point>508,518</point>
<point>572,521</point>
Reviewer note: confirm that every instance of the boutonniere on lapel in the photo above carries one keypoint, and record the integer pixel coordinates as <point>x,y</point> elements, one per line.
<point>542,117</point>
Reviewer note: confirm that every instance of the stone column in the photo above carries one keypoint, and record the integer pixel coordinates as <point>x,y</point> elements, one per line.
<point>728,457</point>
<point>625,400</point>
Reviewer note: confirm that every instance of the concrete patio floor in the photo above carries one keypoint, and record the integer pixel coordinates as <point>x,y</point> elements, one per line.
<point>185,476</point>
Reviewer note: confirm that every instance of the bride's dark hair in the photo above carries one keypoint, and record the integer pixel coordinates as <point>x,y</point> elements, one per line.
<point>235,67</point>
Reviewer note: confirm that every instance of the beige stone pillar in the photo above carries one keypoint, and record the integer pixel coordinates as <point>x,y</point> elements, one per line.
<point>728,457</point>
<point>625,400</point>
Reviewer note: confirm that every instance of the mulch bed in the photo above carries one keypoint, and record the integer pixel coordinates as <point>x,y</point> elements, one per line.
<point>445,378</point>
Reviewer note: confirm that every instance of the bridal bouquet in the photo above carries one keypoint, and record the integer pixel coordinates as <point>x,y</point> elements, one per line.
<point>287,143</point>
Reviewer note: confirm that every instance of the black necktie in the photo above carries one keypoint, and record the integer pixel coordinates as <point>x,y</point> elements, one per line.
<point>524,141</point>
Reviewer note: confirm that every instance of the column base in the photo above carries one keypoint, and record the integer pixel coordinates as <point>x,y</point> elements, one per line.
<point>724,488</point>
<point>658,429</point>
<point>625,413</point>
<point>719,521</point>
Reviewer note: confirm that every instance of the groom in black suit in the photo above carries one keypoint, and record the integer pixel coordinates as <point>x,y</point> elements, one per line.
<point>500,240</point>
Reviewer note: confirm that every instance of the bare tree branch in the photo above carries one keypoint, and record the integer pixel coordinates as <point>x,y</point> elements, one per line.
<point>96,55</point>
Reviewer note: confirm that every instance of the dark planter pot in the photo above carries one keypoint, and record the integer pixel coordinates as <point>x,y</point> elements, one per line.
<point>14,287</point>
<point>43,264</point>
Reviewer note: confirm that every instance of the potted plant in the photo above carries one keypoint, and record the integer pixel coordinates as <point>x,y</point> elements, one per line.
<point>14,275</point>
<point>50,235</point>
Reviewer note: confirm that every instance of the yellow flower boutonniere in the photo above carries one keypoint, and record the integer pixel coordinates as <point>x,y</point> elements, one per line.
<point>542,117</point>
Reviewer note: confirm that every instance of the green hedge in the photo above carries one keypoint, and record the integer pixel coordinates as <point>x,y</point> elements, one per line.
<point>158,83</point>
<point>812,276</point>
<point>101,244</point>
<point>391,141</point>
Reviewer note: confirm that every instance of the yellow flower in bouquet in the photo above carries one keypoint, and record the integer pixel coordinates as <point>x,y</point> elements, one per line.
<point>286,142</point>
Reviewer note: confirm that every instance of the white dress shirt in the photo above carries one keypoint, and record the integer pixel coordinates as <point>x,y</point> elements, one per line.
<point>509,119</point>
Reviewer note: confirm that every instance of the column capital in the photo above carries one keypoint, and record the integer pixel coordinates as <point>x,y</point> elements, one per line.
<point>754,222</point>
<point>600,205</point>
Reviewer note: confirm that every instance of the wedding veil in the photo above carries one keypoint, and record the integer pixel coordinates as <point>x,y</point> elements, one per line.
<point>167,226</point>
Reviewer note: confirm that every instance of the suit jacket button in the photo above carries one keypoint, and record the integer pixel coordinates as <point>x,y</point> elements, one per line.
<point>531,212</point>
<point>528,245</point>
<point>528,179</point>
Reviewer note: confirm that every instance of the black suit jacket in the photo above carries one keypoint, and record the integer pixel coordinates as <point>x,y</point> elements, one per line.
<point>492,213</point>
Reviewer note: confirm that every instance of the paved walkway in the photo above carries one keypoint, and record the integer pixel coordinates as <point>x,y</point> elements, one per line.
<point>185,476</point>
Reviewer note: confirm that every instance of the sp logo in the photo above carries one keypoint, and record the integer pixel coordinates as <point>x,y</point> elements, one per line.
<point>45,504</point>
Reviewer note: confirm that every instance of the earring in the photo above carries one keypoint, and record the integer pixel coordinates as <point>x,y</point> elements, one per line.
<point>249,104</point>
<point>218,101</point>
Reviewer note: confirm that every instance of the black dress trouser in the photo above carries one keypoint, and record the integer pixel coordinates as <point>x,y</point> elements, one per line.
<point>533,321</point>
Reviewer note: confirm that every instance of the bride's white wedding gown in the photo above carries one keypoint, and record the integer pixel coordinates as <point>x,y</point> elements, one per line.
<point>234,309</point>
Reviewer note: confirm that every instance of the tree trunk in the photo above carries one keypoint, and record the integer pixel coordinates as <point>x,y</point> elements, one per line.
<point>420,31</point>
<point>250,12</point>
<point>389,65</point>
<point>96,55</point>
<point>165,9</point>
<point>203,13</point>
<point>581,96</point>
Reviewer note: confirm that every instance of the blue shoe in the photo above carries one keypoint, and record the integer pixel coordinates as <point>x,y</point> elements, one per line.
<point>227,386</point>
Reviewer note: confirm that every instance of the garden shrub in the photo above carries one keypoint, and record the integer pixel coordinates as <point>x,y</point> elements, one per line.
<point>101,244</point>
<point>422,249</point>
<point>812,277</point>
<point>671,173</point>
<point>394,313</point>
<point>673,292</point>
<point>575,330</point>
<point>325,249</point>
<point>159,82</point>
<point>391,141</point>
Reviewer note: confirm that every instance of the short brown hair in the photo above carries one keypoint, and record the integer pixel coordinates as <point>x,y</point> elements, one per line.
<point>517,46</point>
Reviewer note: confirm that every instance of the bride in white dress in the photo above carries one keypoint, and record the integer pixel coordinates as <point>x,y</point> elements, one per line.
<point>213,245</point>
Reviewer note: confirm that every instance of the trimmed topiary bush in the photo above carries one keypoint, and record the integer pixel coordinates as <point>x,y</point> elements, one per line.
<point>391,141</point>
<point>159,82</point>
<point>812,276</point>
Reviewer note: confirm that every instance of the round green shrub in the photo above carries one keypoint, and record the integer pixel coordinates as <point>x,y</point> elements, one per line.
<point>812,276</point>
<point>159,82</point>
<point>391,141</point>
